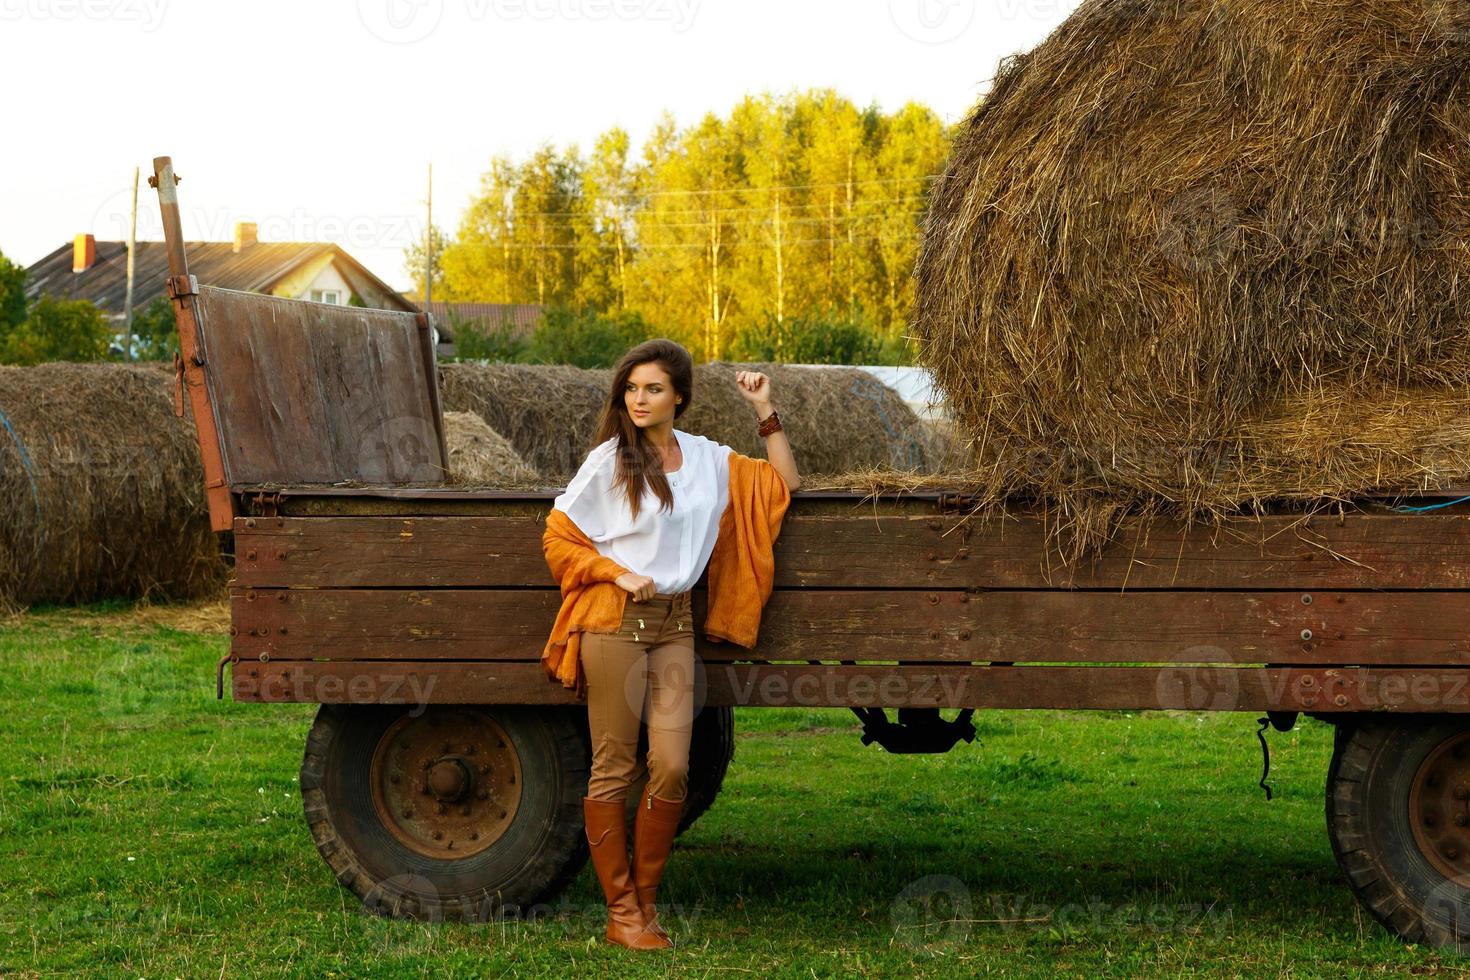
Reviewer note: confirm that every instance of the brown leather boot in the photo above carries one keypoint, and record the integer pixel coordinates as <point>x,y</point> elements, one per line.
<point>607,839</point>
<point>653,837</point>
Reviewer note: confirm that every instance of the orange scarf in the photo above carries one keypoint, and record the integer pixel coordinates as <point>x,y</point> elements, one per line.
<point>742,571</point>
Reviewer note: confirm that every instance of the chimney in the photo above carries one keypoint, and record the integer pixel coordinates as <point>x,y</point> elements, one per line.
<point>244,235</point>
<point>83,253</point>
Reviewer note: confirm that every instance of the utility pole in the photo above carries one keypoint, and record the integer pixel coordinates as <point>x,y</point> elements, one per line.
<point>429,252</point>
<point>132,247</point>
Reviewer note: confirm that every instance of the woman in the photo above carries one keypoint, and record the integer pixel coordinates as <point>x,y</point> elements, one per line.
<point>647,512</point>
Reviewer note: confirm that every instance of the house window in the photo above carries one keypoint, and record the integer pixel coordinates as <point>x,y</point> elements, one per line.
<point>333,296</point>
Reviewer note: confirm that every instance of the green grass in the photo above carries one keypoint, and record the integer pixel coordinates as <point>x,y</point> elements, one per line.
<point>148,830</point>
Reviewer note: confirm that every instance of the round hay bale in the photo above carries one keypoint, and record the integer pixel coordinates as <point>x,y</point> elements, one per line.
<point>478,455</point>
<point>1211,253</point>
<point>838,419</point>
<point>546,411</point>
<point>104,489</point>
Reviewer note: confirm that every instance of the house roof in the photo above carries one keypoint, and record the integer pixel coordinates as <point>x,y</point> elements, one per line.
<point>254,268</point>
<point>523,316</point>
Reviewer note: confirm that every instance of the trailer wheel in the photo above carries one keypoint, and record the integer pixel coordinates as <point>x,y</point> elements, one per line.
<point>1398,813</point>
<point>711,747</point>
<point>458,812</point>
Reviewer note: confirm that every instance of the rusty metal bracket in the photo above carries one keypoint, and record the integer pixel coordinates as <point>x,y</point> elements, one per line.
<point>219,674</point>
<point>182,286</point>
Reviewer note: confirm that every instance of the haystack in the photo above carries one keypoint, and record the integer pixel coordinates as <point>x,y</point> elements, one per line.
<point>1209,254</point>
<point>478,455</point>
<point>837,419</point>
<point>103,489</point>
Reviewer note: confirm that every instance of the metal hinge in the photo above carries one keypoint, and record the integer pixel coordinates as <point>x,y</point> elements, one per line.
<point>268,503</point>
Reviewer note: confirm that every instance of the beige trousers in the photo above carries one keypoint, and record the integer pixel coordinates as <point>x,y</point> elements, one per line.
<point>643,673</point>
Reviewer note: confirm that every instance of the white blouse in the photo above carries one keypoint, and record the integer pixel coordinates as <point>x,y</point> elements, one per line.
<point>670,548</point>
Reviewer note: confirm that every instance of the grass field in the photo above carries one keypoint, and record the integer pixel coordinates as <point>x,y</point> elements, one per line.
<point>149,830</point>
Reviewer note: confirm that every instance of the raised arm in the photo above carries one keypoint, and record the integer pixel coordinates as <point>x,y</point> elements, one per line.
<point>756,388</point>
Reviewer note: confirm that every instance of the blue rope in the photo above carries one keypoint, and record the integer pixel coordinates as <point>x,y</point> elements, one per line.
<point>25,459</point>
<point>1420,510</point>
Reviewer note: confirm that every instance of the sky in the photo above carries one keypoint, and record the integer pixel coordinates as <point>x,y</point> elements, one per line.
<point>318,119</point>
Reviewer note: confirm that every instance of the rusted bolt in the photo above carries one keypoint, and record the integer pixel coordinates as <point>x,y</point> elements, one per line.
<point>474,835</point>
<point>964,597</point>
<point>933,599</point>
<point>933,634</point>
<point>280,554</point>
<point>254,673</point>
<point>249,595</point>
<point>264,657</point>
<point>964,634</point>
<point>234,630</point>
<point>250,555</point>
<point>962,553</point>
<point>280,597</point>
<point>282,631</point>
<point>249,522</point>
<point>1341,700</point>
<point>1306,634</point>
<point>1309,681</point>
<point>1306,600</point>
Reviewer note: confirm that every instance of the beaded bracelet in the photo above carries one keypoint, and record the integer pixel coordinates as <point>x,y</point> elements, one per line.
<point>771,423</point>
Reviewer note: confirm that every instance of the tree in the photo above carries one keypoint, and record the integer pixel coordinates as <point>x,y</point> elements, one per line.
<point>586,338</point>
<point>475,342</point>
<point>59,330</point>
<point>415,260</point>
<point>12,296</point>
<point>155,331</point>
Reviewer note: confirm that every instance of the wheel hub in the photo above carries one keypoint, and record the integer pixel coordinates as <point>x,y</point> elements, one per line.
<point>1439,807</point>
<point>447,783</point>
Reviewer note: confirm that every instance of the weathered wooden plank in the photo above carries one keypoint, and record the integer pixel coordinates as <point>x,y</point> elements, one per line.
<point>1315,689</point>
<point>1054,626</point>
<point>319,393</point>
<point>894,551</point>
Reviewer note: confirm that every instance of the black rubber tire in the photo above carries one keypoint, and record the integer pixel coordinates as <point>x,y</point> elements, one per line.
<point>539,853</point>
<point>711,747</point>
<point>1373,765</point>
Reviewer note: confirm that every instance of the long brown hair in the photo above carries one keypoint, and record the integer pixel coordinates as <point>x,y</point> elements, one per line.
<point>638,463</point>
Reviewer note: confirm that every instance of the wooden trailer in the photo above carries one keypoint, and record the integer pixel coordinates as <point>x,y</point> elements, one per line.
<point>442,777</point>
